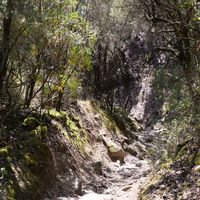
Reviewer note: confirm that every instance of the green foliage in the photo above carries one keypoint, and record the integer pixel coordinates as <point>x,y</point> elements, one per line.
<point>52,44</point>
<point>73,85</point>
<point>186,3</point>
<point>176,110</point>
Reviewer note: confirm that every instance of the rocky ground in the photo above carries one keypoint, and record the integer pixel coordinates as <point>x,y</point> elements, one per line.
<point>86,154</point>
<point>120,181</point>
<point>110,179</point>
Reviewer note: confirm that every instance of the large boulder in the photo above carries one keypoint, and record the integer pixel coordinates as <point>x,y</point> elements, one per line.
<point>115,151</point>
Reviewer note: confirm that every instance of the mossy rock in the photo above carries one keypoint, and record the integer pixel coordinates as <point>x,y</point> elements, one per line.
<point>80,139</point>
<point>26,166</point>
<point>31,122</point>
<point>40,132</point>
<point>37,161</point>
<point>112,147</point>
<point>54,114</point>
<point>4,151</point>
<point>76,135</point>
<point>63,114</point>
<point>115,152</point>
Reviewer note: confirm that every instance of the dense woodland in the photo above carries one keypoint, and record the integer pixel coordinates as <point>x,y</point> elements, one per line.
<point>56,52</point>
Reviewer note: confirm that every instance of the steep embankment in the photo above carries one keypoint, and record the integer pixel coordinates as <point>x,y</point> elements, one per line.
<point>178,178</point>
<point>71,154</point>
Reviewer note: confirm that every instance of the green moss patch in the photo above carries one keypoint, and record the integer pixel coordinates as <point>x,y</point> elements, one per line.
<point>72,125</point>
<point>77,134</point>
<point>54,114</point>
<point>107,119</point>
<point>4,151</point>
<point>26,161</point>
<point>197,159</point>
<point>40,131</point>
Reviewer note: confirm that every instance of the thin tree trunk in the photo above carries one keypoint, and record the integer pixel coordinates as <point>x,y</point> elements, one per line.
<point>59,101</point>
<point>30,88</point>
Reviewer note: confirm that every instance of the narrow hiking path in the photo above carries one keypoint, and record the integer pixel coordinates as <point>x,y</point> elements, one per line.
<point>107,180</point>
<point>122,181</point>
<point>126,179</point>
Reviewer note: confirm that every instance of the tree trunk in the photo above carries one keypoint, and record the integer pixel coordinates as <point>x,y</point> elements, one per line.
<point>59,101</point>
<point>30,88</point>
<point>4,51</point>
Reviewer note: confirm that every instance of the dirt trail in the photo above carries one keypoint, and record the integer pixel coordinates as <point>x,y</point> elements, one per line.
<point>120,182</point>
<point>123,181</point>
<point>126,179</point>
